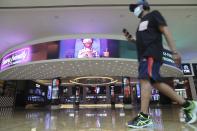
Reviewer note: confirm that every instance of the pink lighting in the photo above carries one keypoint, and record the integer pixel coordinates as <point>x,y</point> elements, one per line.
<point>16,57</point>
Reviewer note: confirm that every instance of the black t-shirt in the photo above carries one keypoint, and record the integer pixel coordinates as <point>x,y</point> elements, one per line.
<point>149,37</point>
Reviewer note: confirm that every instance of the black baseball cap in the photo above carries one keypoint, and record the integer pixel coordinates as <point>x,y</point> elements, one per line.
<point>133,6</point>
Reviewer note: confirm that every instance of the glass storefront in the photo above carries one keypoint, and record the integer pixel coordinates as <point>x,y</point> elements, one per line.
<point>90,94</point>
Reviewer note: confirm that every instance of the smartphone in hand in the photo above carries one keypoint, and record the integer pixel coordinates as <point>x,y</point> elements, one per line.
<point>127,34</point>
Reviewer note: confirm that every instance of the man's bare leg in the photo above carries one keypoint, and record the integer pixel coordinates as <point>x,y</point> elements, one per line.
<point>168,91</point>
<point>146,89</point>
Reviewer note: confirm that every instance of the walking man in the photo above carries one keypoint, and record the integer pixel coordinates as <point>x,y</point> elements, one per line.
<point>149,49</point>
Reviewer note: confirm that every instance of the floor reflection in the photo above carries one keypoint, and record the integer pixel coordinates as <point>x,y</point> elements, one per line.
<point>98,119</point>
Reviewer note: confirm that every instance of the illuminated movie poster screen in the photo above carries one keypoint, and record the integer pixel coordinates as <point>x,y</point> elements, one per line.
<point>55,88</point>
<point>88,48</point>
<point>127,87</point>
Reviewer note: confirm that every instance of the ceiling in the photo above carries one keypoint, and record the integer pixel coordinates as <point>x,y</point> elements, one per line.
<point>30,22</point>
<point>27,22</point>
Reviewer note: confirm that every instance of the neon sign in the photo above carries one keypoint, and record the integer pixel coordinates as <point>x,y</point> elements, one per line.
<point>16,57</point>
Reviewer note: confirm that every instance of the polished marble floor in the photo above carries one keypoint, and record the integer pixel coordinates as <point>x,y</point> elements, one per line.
<point>166,118</point>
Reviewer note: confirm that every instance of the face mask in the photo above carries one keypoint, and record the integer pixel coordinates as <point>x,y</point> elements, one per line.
<point>138,10</point>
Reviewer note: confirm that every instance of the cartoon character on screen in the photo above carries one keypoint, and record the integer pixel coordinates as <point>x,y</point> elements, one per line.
<point>87,51</point>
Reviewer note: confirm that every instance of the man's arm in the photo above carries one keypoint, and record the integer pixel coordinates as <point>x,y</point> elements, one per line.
<point>168,36</point>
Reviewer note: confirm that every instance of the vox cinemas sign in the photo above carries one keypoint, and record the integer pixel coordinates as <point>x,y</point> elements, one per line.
<point>16,57</point>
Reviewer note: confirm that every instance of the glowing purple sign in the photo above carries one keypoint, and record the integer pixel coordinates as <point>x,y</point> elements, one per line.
<point>16,57</point>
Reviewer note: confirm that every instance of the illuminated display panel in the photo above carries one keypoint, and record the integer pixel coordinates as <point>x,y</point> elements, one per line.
<point>187,69</point>
<point>76,48</point>
<point>16,57</point>
<point>89,48</point>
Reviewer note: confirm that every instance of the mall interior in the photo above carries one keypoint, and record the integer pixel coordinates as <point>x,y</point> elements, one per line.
<point>66,66</point>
